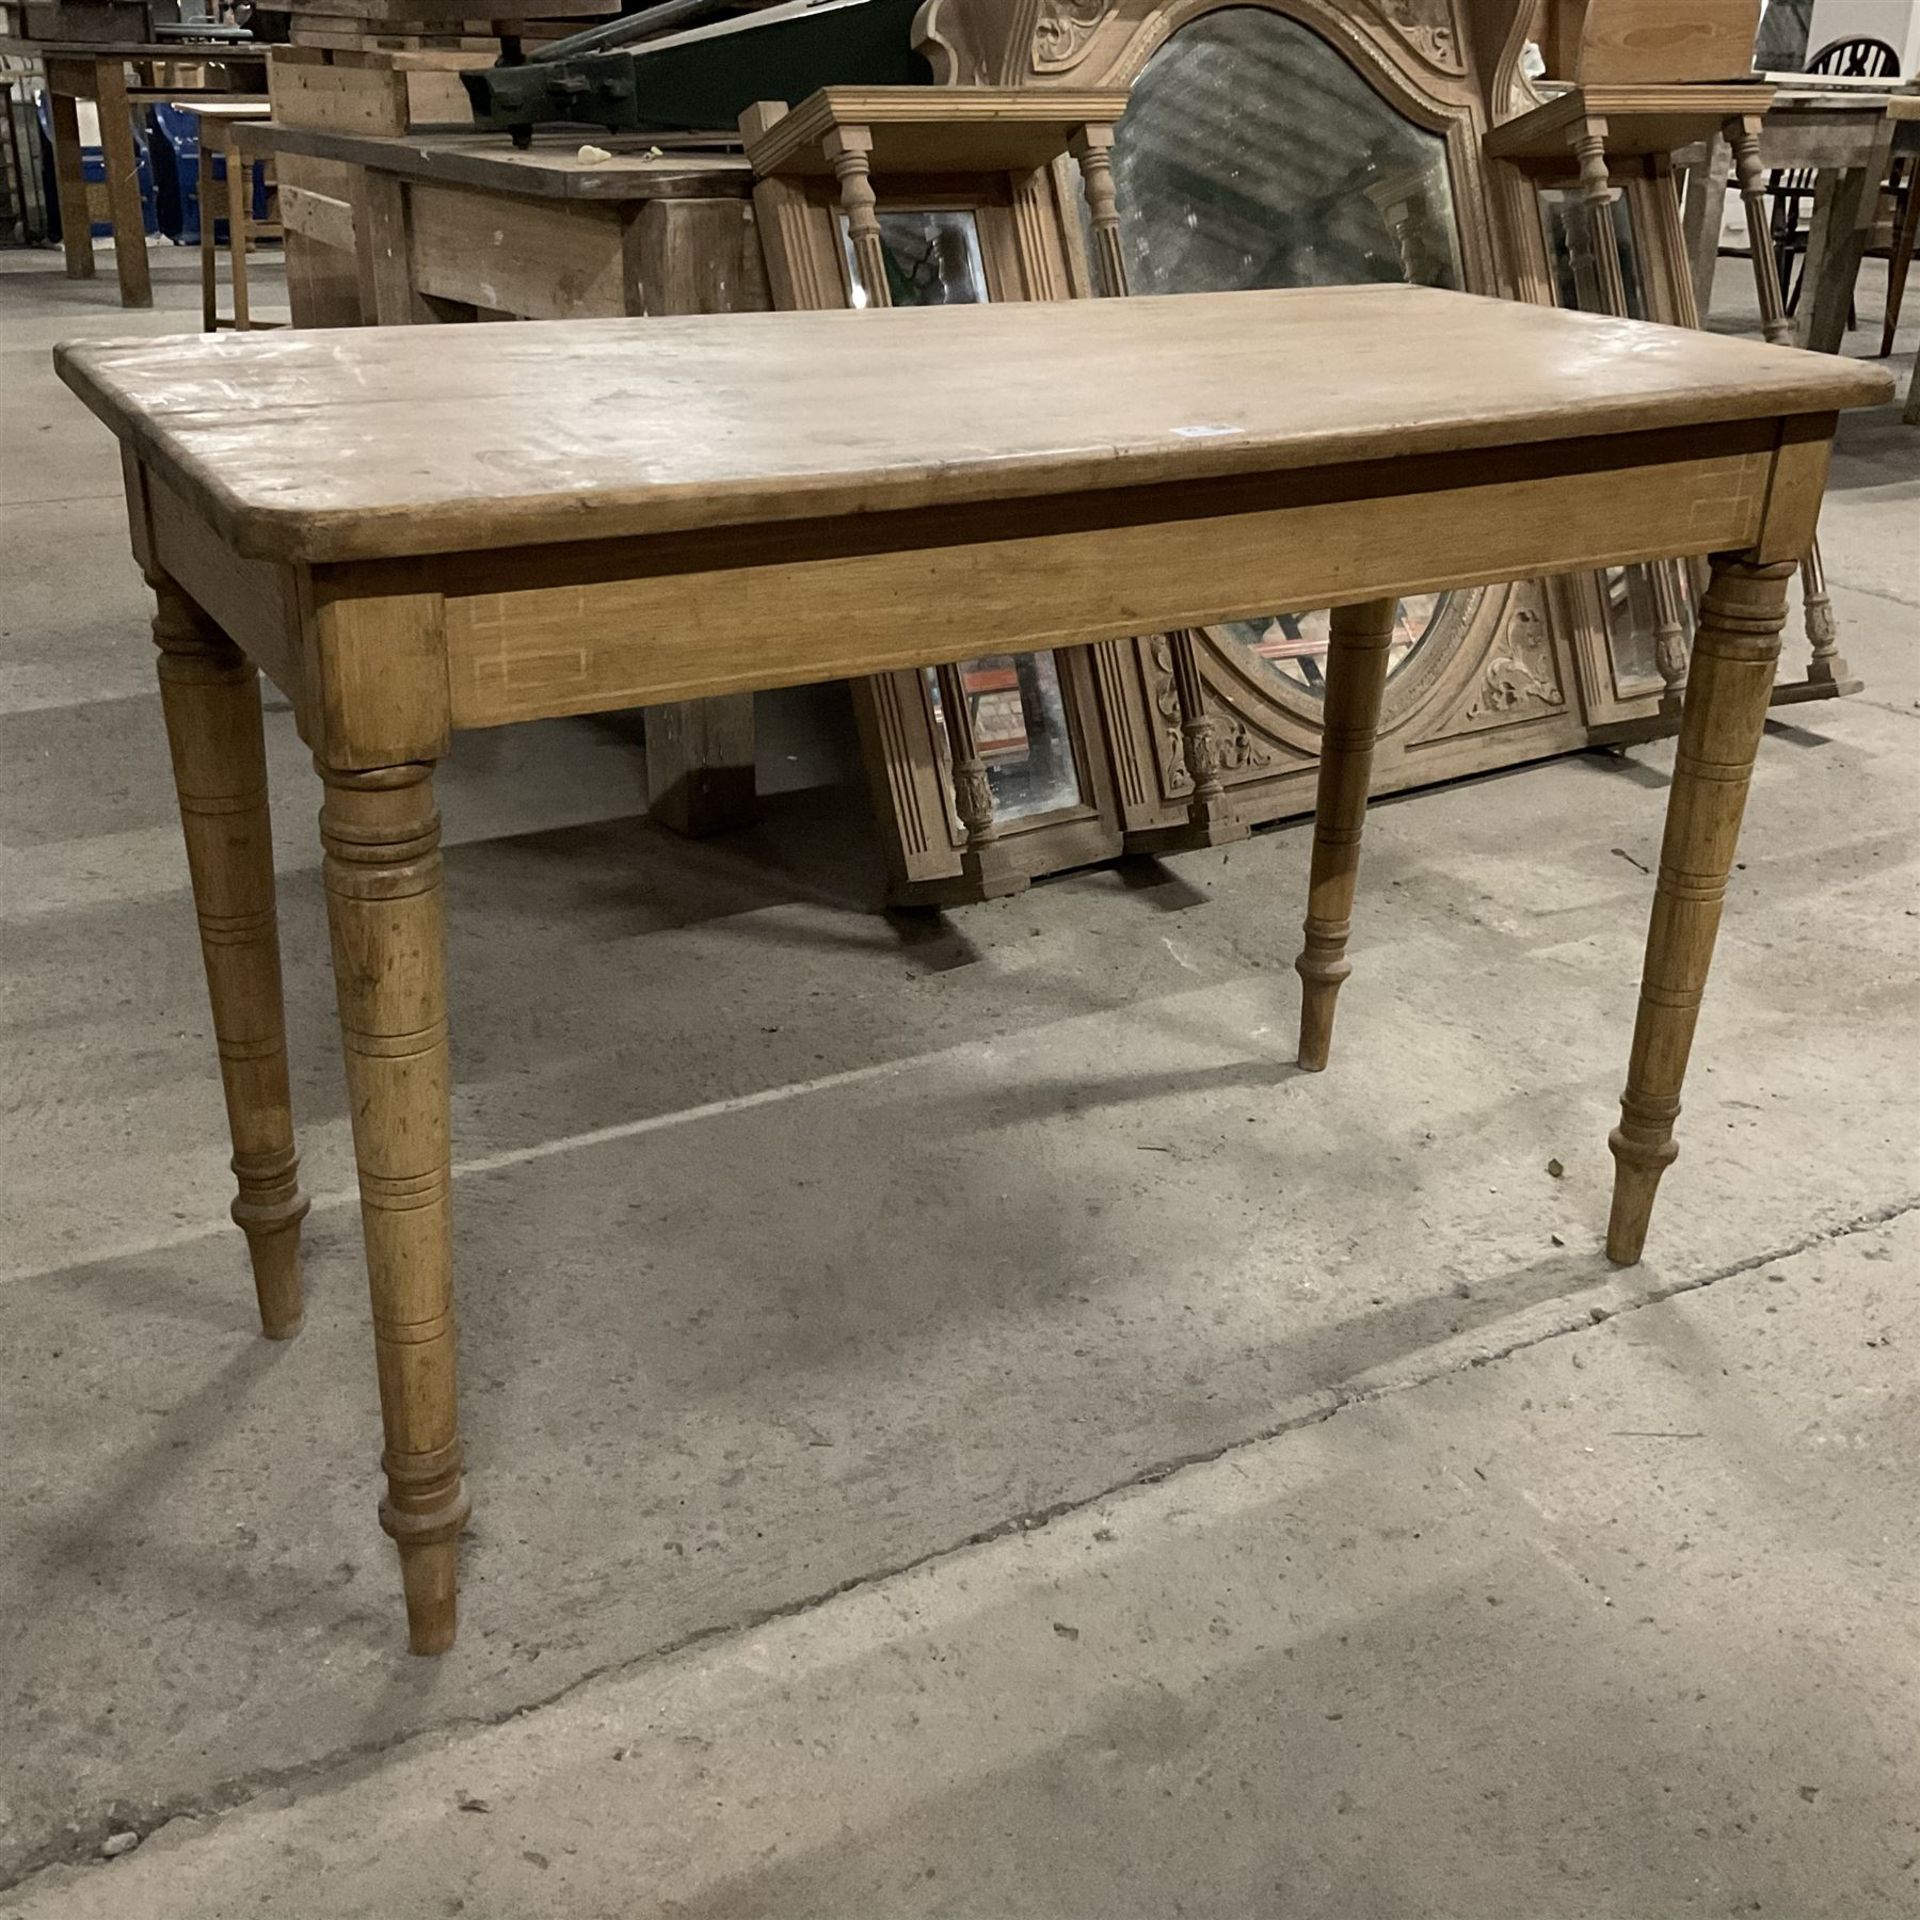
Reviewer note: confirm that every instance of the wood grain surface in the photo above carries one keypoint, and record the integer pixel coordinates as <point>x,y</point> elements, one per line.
<point>357,444</point>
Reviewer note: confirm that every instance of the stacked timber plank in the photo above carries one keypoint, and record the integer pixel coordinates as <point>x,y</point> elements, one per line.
<point>385,67</point>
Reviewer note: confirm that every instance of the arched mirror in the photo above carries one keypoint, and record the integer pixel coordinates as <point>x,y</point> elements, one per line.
<point>1254,154</point>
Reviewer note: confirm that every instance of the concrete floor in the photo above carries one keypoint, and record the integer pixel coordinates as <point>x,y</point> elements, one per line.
<point>1162,1485</point>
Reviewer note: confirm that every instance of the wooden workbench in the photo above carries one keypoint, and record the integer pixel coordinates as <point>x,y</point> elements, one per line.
<point>80,70</point>
<point>467,222</point>
<point>416,531</point>
<point>463,226</point>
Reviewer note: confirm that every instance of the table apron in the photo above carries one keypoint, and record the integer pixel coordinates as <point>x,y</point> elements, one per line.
<point>255,602</point>
<point>385,658</point>
<point>552,630</point>
<point>76,78</point>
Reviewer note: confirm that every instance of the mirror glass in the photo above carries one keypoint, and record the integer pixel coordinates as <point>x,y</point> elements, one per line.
<point>932,254</point>
<point>1253,154</point>
<point>1018,710</point>
<point>1570,230</point>
<point>1020,727</point>
<point>1632,624</point>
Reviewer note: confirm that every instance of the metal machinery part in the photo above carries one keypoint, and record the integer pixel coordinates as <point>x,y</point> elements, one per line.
<point>702,78</point>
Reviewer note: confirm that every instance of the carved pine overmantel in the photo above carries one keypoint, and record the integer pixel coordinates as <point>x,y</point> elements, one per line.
<point>1011,43</point>
<point>1499,31</point>
<point>1428,27</point>
<point>1521,679</point>
<point>1503,674</point>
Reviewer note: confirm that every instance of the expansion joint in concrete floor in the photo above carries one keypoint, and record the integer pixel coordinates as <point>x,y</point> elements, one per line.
<point>1448,1359</point>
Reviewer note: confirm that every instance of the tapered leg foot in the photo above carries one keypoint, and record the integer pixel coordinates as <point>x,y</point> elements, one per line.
<point>1356,680</point>
<point>384,907</point>
<point>272,1228</point>
<point>210,695</point>
<point>1641,1155</point>
<point>1321,980</point>
<point>429,1574</point>
<point>1728,692</point>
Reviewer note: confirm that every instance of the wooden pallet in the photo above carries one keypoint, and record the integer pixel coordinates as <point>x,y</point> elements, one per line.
<point>345,33</point>
<point>388,67</point>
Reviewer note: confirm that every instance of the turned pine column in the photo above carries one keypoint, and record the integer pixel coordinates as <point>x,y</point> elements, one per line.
<point>1210,809</point>
<point>849,149</point>
<point>210,694</point>
<point>1735,650</point>
<point>1356,679</point>
<point>1092,149</point>
<point>384,904</point>
<point>972,790</point>
<point>1743,136</point>
<point>1598,194</point>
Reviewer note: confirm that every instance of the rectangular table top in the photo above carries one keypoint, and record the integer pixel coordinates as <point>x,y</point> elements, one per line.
<point>398,441</point>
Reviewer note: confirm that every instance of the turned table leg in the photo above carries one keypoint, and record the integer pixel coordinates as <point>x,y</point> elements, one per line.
<point>1735,650</point>
<point>1356,677</point>
<point>210,695</point>
<point>384,905</point>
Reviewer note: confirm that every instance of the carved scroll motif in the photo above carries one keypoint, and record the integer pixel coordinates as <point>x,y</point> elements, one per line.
<point>1063,30</point>
<point>1520,679</point>
<point>1426,26</point>
<point>1232,748</point>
